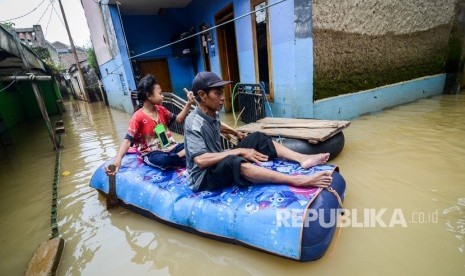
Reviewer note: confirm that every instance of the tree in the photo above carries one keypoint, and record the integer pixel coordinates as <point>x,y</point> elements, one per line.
<point>7,25</point>
<point>44,54</point>
<point>92,60</point>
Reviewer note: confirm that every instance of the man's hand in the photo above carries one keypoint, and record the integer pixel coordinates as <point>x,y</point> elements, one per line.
<point>253,155</point>
<point>240,135</point>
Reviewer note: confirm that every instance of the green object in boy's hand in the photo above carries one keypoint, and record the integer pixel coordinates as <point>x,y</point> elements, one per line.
<point>160,131</point>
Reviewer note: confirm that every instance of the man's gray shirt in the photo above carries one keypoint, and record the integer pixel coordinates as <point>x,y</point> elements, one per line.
<point>201,135</point>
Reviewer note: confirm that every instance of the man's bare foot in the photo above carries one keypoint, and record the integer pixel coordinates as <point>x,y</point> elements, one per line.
<point>316,159</point>
<point>321,179</point>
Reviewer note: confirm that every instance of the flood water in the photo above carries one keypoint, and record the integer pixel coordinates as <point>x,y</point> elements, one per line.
<point>408,161</point>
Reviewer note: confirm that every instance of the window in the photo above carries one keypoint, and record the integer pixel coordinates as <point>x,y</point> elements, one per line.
<point>262,46</point>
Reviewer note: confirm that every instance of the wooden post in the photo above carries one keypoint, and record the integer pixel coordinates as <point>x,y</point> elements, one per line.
<point>112,199</point>
<point>37,94</point>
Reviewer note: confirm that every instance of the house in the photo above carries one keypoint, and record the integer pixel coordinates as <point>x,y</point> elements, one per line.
<point>28,88</point>
<point>34,37</point>
<point>314,59</point>
<point>62,55</point>
<point>66,56</point>
<point>31,36</point>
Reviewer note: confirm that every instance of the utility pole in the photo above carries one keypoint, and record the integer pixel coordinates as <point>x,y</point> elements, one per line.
<point>78,66</point>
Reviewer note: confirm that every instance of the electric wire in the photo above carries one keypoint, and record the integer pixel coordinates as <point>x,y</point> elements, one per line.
<point>58,15</point>
<point>49,19</point>
<point>45,11</point>
<point>26,13</point>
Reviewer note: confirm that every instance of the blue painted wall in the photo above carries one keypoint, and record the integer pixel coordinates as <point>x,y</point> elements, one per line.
<point>291,57</point>
<point>245,51</point>
<point>291,61</point>
<point>352,105</point>
<point>117,75</point>
<point>111,78</point>
<point>145,33</point>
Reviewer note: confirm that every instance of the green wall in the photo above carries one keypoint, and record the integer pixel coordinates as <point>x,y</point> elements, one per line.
<point>10,106</point>
<point>18,102</point>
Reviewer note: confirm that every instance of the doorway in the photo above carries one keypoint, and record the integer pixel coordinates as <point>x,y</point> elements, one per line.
<point>262,45</point>
<point>227,50</point>
<point>158,68</point>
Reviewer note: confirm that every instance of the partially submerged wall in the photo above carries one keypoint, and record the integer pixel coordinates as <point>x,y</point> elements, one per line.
<point>362,44</point>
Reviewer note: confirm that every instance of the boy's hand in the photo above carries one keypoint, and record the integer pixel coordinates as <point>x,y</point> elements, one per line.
<point>190,97</point>
<point>108,170</point>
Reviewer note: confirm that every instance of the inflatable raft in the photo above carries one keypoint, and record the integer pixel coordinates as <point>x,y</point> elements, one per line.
<point>278,219</point>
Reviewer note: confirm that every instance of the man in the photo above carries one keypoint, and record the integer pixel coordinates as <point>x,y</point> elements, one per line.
<point>210,167</point>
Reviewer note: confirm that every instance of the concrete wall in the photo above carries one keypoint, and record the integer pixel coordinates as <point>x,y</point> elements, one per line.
<point>394,51</point>
<point>362,44</point>
<point>115,83</point>
<point>98,35</point>
<point>349,106</point>
<point>291,54</point>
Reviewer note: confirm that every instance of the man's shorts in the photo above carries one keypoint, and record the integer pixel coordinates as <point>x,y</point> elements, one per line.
<point>228,171</point>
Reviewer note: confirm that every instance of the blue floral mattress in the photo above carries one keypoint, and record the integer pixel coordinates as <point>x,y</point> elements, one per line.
<point>277,219</point>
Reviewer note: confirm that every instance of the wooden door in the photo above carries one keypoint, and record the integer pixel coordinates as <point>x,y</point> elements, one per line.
<point>227,49</point>
<point>158,68</point>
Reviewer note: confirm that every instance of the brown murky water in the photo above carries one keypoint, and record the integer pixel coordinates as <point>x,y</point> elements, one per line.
<point>408,161</point>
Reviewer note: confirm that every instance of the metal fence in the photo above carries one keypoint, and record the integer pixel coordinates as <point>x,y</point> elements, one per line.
<point>252,100</point>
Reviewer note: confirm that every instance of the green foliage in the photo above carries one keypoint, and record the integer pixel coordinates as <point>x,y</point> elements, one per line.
<point>7,25</point>
<point>44,55</point>
<point>42,52</point>
<point>55,68</point>
<point>92,59</point>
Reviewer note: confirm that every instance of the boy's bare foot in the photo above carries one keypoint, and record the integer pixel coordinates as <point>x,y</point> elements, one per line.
<point>321,179</point>
<point>316,159</point>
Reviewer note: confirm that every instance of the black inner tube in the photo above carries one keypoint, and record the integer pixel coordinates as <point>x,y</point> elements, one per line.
<point>333,145</point>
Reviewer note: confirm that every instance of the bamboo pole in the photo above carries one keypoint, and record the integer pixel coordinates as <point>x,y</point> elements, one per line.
<point>25,78</point>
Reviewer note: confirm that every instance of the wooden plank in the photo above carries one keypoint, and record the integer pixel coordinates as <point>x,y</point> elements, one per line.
<point>297,133</point>
<point>314,131</point>
<point>305,125</point>
<point>46,258</point>
<point>271,120</point>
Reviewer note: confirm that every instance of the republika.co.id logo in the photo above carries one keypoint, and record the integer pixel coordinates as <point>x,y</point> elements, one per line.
<point>359,218</point>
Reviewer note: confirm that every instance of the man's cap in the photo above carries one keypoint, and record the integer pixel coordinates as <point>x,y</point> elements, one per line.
<point>205,80</point>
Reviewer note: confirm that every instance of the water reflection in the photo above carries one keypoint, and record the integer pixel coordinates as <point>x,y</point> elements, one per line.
<point>411,157</point>
<point>455,222</point>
